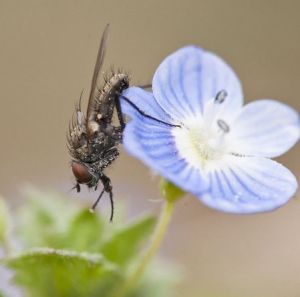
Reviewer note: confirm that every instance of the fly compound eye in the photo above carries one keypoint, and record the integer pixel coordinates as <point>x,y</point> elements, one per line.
<point>81,173</point>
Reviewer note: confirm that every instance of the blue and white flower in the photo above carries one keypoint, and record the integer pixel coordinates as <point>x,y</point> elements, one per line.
<point>212,146</point>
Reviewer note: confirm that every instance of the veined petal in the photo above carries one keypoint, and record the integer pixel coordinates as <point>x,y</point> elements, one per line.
<point>154,145</point>
<point>265,128</point>
<point>249,185</point>
<point>145,101</point>
<point>187,79</point>
<point>218,152</point>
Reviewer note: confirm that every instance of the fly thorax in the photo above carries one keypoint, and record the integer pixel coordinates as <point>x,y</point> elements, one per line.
<point>110,92</point>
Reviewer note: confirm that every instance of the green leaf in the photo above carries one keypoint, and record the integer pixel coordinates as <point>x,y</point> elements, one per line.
<point>3,221</point>
<point>85,232</point>
<point>86,256</point>
<point>44,219</point>
<point>125,243</point>
<point>49,272</point>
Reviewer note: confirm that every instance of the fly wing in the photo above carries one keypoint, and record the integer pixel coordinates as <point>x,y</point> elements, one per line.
<point>76,136</point>
<point>95,79</point>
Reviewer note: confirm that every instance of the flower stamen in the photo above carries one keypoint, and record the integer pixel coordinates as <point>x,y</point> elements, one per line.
<point>221,96</point>
<point>200,143</point>
<point>214,107</point>
<point>223,126</point>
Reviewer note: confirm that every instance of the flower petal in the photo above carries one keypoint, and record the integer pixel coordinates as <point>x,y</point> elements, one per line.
<point>145,102</point>
<point>187,79</point>
<point>249,185</point>
<point>154,145</point>
<point>265,128</point>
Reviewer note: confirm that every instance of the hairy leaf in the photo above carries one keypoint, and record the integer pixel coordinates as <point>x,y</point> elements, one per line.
<point>49,272</point>
<point>125,243</point>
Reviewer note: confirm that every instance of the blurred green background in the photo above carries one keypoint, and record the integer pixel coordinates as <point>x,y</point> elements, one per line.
<point>47,54</point>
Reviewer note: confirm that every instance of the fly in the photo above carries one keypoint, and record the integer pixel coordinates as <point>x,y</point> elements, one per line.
<point>93,139</point>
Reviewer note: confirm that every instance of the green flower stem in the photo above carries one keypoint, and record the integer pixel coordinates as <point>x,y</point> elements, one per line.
<point>155,243</point>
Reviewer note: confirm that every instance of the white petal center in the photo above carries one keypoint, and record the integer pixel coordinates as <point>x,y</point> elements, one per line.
<point>202,141</point>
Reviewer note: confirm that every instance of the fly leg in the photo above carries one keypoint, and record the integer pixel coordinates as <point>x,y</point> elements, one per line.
<point>119,112</point>
<point>148,86</point>
<point>107,187</point>
<point>97,201</point>
<point>77,187</point>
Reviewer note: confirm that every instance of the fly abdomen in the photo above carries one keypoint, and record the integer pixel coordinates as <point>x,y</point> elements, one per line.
<point>108,98</point>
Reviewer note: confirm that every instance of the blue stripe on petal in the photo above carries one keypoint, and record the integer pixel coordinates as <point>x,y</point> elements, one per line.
<point>244,190</point>
<point>230,190</point>
<point>225,189</point>
<point>187,79</point>
<point>174,83</point>
<point>186,93</point>
<point>249,185</point>
<point>246,176</point>
<point>161,154</point>
<point>216,188</point>
<point>265,128</point>
<point>176,167</point>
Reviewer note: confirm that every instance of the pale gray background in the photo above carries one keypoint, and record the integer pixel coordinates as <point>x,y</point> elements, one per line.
<point>47,53</point>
